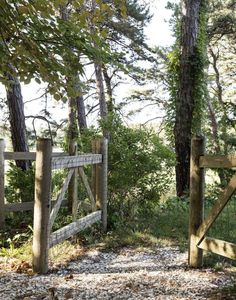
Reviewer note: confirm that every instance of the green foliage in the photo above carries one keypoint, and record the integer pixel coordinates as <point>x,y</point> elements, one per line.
<point>140,170</point>
<point>198,64</point>
<point>20,184</point>
<point>39,43</point>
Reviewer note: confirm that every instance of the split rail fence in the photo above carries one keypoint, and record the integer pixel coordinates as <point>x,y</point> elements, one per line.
<point>44,212</point>
<point>198,224</point>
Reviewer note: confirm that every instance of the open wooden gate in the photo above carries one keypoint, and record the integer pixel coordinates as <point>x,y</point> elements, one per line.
<point>198,225</point>
<point>46,210</point>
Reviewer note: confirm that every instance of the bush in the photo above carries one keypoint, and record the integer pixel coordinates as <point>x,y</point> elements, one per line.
<point>20,184</point>
<point>140,171</point>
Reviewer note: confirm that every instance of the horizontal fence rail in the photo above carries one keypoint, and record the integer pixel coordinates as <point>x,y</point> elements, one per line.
<point>28,155</point>
<point>219,247</point>
<point>26,206</point>
<point>73,228</point>
<point>45,209</point>
<point>217,161</point>
<point>76,161</point>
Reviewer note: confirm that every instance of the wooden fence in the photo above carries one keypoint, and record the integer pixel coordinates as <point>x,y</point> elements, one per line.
<point>198,224</point>
<point>45,211</point>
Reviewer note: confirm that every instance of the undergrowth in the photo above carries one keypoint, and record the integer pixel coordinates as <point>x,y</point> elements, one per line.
<point>164,225</point>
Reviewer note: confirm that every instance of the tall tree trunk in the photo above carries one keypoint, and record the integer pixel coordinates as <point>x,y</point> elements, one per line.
<point>100,90</point>
<point>219,95</point>
<point>215,136</point>
<point>101,94</point>
<point>107,79</point>
<point>82,121</point>
<point>72,128</point>
<point>17,119</point>
<point>185,102</point>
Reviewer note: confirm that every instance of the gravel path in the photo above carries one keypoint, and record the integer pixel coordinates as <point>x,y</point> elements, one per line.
<point>128,274</point>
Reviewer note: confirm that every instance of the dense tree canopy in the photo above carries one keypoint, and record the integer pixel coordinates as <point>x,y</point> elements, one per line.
<point>83,50</point>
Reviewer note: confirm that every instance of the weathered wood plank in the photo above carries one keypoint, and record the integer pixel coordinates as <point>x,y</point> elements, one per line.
<point>73,185</point>
<point>14,207</point>
<point>20,155</point>
<point>27,206</point>
<point>217,208</point>
<point>104,188</point>
<point>60,197</point>
<point>219,247</point>
<point>218,161</point>
<point>87,187</point>
<point>76,161</point>
<point>28,155</point>
<point>195,258</point>
<point>2,187</point>
<point>42,205</point>
<point>73,228</point>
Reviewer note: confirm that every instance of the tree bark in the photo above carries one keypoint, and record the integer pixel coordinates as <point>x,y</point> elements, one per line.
<point>107,79</point>
<point>100,90</point>
<point>185,101</point>
<point>17,119</point>
<point>215,135</point>
<point>82,121</point>
<point>101,95</point>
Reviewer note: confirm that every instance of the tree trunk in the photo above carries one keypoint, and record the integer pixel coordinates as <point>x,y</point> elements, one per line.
<point>107,78</point>
<point>219,95</point>
<point>100,90</point>
<point>185,102</point>
<point>17,119</point>
<point>101,95</point>
<point>215,136</point>
<point>82,121</point>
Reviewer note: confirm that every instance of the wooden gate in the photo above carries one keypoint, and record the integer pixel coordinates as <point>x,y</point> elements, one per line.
<point>198,224</point>
<point>45,211</point>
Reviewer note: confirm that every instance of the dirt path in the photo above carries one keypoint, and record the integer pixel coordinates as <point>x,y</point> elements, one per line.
<point>128,274</point>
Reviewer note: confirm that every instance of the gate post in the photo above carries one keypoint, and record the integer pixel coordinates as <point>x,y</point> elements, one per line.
<point>2,176</point>
<point>99,179</point>
<point>73,185</point>
<point>195,255</point>
<point>42,205</point>
<point>104,187</point>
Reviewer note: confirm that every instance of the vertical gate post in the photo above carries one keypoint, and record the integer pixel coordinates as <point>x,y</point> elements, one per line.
<point>195,257</point>
<point>99,179</point>
<point>42,205</point>
<point>2,187</point>
<point>104,186</point>
<point>73,185</point>
<point>96,170</point>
